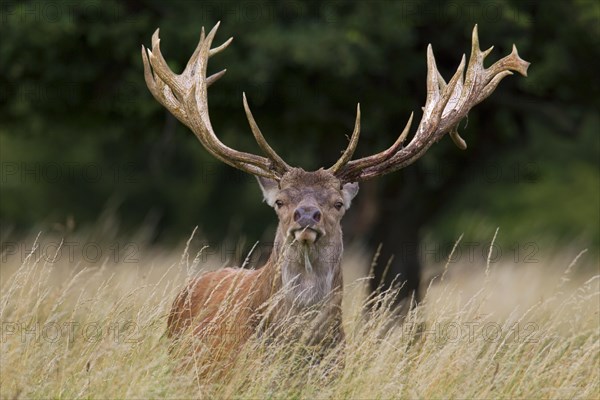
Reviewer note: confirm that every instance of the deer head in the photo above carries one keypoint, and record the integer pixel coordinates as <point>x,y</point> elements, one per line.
<point>310,205</point>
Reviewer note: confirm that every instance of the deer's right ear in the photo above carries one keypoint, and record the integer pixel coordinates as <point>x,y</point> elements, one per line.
<point>270,188</point>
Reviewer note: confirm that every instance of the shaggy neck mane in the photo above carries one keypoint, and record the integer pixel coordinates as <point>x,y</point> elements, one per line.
<point>307,274</point>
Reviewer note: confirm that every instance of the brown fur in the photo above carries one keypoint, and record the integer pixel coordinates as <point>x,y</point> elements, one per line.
<point>223,309</point>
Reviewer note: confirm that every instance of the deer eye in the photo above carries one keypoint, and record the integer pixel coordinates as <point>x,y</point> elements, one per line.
<point>279,203</point>
<point>338,205</point>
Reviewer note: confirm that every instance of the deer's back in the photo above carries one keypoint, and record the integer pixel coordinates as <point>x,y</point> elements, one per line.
<point>219,307</point>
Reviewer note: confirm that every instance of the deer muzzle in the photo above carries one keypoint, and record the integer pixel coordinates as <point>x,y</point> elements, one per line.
<point>306,227</point>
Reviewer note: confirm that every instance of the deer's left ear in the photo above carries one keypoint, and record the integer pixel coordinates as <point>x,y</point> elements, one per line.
<point>269,188</point>
<point>349,190</point>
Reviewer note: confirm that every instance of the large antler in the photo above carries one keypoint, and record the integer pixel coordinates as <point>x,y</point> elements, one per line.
<point>445,107</point>
<point>185,96</point>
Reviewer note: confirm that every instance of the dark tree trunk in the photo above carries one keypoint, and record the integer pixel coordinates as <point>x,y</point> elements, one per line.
<point>399,266</point>
<point>396,230</point>
<point>388,213</point>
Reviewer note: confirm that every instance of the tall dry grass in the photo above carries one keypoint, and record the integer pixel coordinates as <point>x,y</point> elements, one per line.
<point>73,329</point>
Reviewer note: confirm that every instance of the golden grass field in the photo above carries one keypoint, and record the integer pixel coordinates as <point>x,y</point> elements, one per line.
<point>75,329</point>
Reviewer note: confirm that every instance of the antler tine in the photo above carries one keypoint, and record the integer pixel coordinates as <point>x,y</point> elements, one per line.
<point>185,96</point>
<point>386,154</point>
<point>161,68</point>
<point>446,105</point>
<point>349,152</point>
<point>280,165</point>
<point>161,93</point>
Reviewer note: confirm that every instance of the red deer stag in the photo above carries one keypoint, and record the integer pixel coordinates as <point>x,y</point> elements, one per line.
<point>225,307</point>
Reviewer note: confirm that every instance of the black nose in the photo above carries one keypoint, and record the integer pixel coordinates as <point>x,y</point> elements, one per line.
<point>307,216</point>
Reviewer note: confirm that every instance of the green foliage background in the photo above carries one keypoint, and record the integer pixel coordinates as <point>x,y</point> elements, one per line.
<point>81,137</point>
